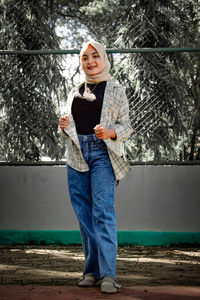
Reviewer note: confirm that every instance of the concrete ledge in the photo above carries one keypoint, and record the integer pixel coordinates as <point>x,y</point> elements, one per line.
<point>135,163</point>
<point>62,237</point>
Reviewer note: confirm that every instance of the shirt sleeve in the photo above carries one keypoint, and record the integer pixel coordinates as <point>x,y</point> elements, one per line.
<point>122,126</point>
<point>62,133</point>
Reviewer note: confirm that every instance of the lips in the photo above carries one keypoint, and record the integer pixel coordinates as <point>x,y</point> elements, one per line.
<point>91,67</point>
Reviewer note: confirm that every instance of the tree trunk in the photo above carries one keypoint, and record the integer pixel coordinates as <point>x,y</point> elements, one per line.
<point>193,140</point>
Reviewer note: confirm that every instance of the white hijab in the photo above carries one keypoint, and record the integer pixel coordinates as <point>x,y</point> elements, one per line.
<point>104,75</point>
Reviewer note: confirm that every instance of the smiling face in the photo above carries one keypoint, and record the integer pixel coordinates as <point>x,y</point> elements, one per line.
<point>91,61</point>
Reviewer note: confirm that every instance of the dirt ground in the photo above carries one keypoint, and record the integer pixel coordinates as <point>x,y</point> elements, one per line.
<point>136,266</point>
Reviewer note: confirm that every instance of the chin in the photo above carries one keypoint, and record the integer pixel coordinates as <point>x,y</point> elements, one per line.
<point>92,73</point>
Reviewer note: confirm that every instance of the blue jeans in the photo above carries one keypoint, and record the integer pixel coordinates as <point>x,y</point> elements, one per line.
<point>92,195</point>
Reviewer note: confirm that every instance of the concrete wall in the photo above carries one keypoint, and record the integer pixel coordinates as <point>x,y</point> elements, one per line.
<point>151,198</point>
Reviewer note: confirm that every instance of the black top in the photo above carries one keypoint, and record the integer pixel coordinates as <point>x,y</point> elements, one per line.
<point>87,114</point>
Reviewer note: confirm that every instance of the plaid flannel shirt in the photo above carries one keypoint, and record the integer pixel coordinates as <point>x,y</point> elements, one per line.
<point>114,114</point>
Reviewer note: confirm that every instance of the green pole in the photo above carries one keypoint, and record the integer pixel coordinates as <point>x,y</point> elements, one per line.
<point>113,50</point>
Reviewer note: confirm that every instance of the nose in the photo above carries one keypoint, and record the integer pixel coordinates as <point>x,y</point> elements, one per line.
<point>90,59</point>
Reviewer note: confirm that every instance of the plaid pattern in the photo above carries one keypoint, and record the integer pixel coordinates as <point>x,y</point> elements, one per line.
<point>115,114</point>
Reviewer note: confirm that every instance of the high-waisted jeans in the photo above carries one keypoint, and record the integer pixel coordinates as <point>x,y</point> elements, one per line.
<point>92,195</point>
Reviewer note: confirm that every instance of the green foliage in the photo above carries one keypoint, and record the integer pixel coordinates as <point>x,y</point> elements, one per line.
<point>31,85</point>
<point>163,89</point>
<point>158,84</point>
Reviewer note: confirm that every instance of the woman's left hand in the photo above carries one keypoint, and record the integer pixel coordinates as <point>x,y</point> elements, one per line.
<point>102,133</point>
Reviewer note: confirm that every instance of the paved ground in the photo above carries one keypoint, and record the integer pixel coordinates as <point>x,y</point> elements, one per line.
<point>49,272</point>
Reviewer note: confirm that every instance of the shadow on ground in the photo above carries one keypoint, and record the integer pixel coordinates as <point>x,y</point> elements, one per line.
<point>136,266</point>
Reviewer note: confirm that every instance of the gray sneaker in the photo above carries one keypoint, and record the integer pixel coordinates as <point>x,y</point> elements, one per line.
<point>87,280</point>
<point>109,286</point>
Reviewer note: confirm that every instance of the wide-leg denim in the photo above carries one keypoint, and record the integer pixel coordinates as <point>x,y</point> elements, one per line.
<point>92,195</point>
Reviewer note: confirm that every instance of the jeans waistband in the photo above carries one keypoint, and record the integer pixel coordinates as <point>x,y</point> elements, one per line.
<point>87,137</point>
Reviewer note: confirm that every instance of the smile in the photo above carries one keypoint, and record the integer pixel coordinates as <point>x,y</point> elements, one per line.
<point>91,67</point>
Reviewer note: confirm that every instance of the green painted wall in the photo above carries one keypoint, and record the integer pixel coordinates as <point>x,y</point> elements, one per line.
<point>145,238</point>
<point>155,205</point>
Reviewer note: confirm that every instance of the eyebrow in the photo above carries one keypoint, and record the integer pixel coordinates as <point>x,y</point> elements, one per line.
<point>85,55</point>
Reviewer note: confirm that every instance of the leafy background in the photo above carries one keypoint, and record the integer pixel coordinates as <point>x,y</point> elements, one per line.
<point>163,88</point>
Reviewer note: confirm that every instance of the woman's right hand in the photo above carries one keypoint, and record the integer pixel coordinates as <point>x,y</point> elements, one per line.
<point>63,122</point>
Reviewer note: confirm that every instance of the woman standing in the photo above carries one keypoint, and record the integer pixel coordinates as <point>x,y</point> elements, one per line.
<point>96,121</point>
